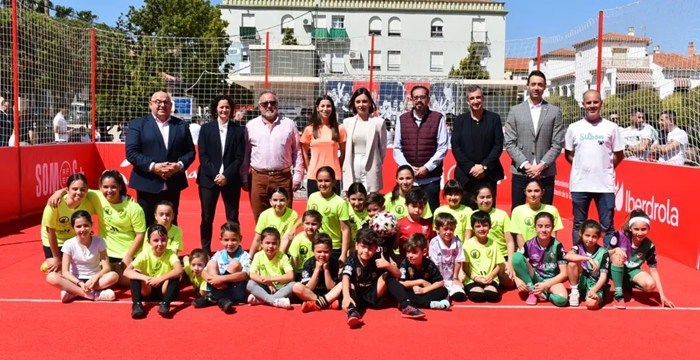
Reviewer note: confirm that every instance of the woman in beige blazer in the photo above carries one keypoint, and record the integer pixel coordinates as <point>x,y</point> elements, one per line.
<point>365,147</point>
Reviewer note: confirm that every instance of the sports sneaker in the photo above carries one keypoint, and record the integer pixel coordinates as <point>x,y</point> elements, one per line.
<point>354,318</point>
<point>252,300</point>
<point>137,311</point>
<point>226,305</point>
<point>574,298</point>
<point>309,306</point>
<point>164,309</point>
<point>66,296</point>
<point>531,299</point>
<point>104,295</point>
<point>619,303</point>
<point>411,312</point>
<point>283,303</point>
<point>440,305</point>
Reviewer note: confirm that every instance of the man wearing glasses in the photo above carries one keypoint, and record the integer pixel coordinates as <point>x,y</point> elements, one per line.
<point>421,142</point>
<point>273,155</point>
<point>160,148</point>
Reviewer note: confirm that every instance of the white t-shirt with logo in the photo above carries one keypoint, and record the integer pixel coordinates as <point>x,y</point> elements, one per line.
<point>676,157</point>
<point>634,136</point>
<point>85,261</point>
<point>594,145</point>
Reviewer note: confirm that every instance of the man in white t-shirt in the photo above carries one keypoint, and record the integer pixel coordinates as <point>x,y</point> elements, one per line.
<point>594,146</point>
<point>638,136</point>
<point>60,126</point>
<point>673,152</point>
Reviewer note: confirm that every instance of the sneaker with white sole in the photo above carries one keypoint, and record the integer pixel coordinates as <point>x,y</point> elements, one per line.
<point>283,303</point>
<point>66,296</point>
<point>574,298</point>
<point>531,299</point>
<point>104,295</point>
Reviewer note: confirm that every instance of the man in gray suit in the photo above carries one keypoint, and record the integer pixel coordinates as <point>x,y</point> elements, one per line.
<point>533,137</point>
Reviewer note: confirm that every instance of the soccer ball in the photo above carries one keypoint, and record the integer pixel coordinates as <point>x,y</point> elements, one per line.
<point>384,224</point>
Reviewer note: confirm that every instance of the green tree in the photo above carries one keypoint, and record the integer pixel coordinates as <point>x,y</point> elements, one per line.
<point>570,108</point>
<point>470,66</point>
<point>289,38</point>
<point>64,12</point>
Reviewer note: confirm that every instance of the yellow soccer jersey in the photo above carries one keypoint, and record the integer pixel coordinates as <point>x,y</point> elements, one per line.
<point>277,266</point>
<point>462,214</point>
<point>334,210</point>
<point>356,222</point>
<point>119,223</point>
<point>300,249</point>
<point>481,258</point>
<point>151,265</point>
<point>522,220</point>
<point>174,239</point>
<point>398,207</point>
<point>499,223</point>
<point>198,282</point>
<point>59,219</point>
<point>269,218</point>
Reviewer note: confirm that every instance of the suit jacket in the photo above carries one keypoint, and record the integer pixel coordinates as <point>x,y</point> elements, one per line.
<point>210,154</point>
<point>463,148</point>
<point>374,157</point>
<point>6,127</point>
<point>523,142</point>
<point>145,145</point>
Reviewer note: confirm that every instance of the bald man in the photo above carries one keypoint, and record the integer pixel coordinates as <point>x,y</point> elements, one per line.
<point>160,148</point>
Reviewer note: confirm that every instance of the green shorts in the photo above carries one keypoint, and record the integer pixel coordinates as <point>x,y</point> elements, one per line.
<point>627,282</point>
<point>586,283</point>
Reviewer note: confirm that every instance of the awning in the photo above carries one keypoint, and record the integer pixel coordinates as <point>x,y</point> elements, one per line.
<point>681,82</point>
<point>248,31</point>
<point>338,34</point>
<point>320,33</point>
<point>634,78</point>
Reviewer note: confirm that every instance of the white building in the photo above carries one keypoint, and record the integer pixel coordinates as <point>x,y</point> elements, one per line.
<point>414,38</point>
<point>559,67</point>
<point>675,72</point>
<point>625,64</point>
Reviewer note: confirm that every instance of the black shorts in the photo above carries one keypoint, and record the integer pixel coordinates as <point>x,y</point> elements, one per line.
<point>368,298</point>
<point>475,284</point>
<point>48,254</point>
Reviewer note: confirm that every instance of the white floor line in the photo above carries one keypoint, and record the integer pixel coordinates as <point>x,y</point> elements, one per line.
<point>458,306</point>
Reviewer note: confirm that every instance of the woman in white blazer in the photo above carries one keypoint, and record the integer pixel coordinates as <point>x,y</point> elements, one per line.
<point>365,146</point>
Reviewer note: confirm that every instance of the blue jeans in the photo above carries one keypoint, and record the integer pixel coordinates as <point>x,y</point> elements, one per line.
<point>605,203</point>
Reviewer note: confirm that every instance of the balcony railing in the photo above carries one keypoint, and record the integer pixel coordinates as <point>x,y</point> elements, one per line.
<point>480,37</point>
<point>626,62</point>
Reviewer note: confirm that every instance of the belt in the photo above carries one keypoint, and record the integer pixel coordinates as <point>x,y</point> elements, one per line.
<point>271,172</point>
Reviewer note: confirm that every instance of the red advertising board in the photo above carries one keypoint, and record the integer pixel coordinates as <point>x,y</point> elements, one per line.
<point>10,210</point>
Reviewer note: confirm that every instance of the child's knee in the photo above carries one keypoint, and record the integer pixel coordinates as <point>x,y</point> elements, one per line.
<point>617,259</point>
<point>648,285</point>
<point>298,288</point>
<point>53,278</point>
<point>234,267</point>
<point>592,304</point>
<point>558,300</point>
<point>572,266</point>
<point>518,258</point>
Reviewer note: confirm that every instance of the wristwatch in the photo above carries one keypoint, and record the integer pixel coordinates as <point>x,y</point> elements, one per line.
<point>484,166</point>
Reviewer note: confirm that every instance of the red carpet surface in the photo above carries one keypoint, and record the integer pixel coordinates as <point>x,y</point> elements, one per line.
<point>40,326</point>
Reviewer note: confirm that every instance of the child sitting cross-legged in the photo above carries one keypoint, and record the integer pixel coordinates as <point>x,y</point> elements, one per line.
<point>319,287</point>
<point>271,273</point>
<point>421,277</point>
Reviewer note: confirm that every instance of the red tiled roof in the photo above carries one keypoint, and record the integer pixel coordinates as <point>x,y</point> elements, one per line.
<point>517,64</point>
<point>562,52</point>
<point>676,61</point>
<point>617,38</point>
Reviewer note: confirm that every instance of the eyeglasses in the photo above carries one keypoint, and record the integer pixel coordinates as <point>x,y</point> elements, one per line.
<point>420,97</point>
<point>272,103</point>
<point>160,102</point>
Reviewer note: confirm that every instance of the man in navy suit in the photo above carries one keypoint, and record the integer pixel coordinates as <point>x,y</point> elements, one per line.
<point>221,151</point>
<point>160,148</point>
<point>477,144</point>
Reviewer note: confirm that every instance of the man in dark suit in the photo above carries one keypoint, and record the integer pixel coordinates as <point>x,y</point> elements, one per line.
<point>477,144</point>
<point>221,151</point>
<point>6,123</point>
<point>160,148</point>
<point>533,137</point>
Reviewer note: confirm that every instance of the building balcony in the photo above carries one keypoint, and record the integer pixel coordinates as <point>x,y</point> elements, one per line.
<point>249,34</point>
<point>481,37</point>
<point>610,62</point>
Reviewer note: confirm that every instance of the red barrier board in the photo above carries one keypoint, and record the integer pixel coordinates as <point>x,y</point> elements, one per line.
<point>10,210</point>
<point>45,169</point>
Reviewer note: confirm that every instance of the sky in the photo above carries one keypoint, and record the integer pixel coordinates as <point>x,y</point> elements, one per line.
<point>560,23</point>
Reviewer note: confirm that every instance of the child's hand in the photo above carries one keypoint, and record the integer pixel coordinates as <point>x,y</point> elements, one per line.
<point>592,295</point>
<point>509,270</point>
<point>541,287</point>
<point>593,264</point>
<point>217,282</point>
<point>154,282</point>
<point>520,285</point>
<point>319,266</point>
<point>265,280</point>
<point>54,264</point>
<point>272,289</point>
<point>487,279</point>
<point>347,301</point>
<point>91,282</point>
<point>382,263</point>
<point>418,290</point>
<point>325,266</point>
<point>666,302</point>
<point>84,287</point>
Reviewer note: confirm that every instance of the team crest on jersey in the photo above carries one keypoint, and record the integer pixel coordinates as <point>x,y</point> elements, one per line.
<point>303,250</point>
<point>157,266</point>
<point>64,220</point>
<point>108,210</point>
<point>400,209</point>
<point>411,272</point>
<point>475,254</point>
<point>613,240</point>
<point>262,269</point>
<point>314,207</point>
<point>550,257</point>
<point>528,222</point>
<point>358,271</point>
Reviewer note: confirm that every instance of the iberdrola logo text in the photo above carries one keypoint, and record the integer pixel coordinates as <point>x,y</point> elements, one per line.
<point>658,210</point>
